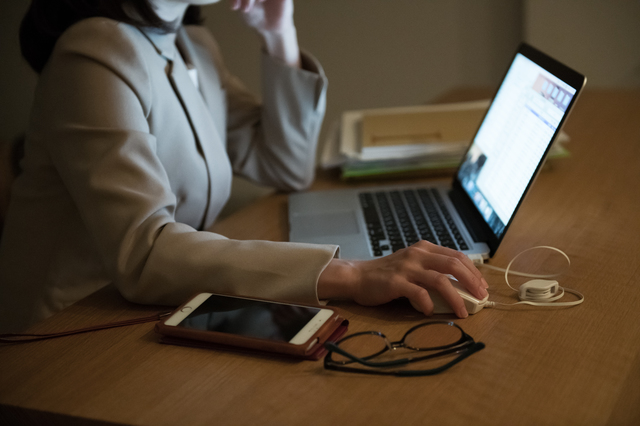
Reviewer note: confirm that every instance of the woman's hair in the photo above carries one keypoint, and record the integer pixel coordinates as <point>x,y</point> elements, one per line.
<point>46,20</point>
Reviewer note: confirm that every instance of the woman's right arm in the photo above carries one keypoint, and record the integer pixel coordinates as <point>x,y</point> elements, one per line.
<point>94,111</point>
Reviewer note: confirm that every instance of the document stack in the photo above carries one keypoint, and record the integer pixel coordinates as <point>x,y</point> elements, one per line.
<point>404,141</point>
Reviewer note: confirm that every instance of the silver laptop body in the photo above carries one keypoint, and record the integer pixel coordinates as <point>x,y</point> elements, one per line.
<point>477,207</point>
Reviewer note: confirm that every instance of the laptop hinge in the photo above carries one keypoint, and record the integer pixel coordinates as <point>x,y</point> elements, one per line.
<point>469,215</point>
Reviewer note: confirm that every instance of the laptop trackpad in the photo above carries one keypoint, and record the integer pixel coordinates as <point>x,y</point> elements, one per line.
<point>327,224</point>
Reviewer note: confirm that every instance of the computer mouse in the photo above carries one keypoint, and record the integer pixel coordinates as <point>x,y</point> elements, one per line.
<point>472,303</point>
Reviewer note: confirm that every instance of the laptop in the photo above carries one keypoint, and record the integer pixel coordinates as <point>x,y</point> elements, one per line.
<point>473,212</point>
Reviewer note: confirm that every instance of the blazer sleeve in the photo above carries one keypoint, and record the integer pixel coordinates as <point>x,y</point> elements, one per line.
<point>274,142</point>
<point>92,114</point>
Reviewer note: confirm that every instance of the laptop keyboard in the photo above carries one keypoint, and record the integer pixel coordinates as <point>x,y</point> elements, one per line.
<point>397,219</point>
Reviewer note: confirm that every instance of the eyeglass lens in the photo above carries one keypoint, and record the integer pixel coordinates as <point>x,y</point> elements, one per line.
<point>432,335</point>
<point>363,345</point>
<point>426,337</point>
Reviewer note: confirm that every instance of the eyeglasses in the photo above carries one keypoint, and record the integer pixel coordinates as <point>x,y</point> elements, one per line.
<point>370,352</point>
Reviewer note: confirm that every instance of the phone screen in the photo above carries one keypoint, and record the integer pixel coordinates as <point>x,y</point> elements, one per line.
<point>250,318</point>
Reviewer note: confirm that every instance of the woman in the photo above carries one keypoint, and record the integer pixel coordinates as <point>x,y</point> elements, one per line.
<point>136,129</point>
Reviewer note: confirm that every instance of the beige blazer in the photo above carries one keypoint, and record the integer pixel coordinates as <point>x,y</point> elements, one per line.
<point>127,162</point>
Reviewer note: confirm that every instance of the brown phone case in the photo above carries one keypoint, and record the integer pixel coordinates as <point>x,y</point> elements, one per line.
<point>331,330</point>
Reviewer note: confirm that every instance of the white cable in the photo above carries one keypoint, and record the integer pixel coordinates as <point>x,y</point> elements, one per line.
<point>538,292</point>
<point>517,273</point>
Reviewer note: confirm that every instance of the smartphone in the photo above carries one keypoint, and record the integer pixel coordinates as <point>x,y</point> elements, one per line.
<point>252,323</point>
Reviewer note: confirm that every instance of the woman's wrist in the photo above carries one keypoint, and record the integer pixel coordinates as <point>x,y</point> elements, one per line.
<point>283,44</point>
<point>338,280</point>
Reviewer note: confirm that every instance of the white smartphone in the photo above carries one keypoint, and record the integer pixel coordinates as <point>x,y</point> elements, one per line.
<point>239,317</point>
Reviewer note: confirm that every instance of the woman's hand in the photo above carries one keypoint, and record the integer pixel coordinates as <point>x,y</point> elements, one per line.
<point>266,15</point>
<point>273,20</point>
<point>410,273</point>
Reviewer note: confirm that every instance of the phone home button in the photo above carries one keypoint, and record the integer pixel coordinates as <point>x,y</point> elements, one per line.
<point>186,309</point>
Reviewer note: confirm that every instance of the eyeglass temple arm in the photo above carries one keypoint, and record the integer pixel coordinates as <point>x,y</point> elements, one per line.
<point>475,347</point>
<point>332,347</point>
<point>469,349</point>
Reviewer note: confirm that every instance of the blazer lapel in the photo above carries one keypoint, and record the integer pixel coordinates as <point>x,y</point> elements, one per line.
<point>211,86</point>
<point>210,142</point>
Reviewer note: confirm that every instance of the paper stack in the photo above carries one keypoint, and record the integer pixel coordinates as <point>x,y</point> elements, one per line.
<point>406,140</point>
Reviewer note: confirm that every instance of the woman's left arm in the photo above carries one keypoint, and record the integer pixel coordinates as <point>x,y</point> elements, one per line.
<point>274,142</point>
<point>273,21</point>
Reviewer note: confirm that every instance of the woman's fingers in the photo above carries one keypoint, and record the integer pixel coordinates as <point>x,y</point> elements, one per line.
<point>451,262</point>
<point>415,273</point>
<point>245,5</point>
<point>423,268</point>
<point>441,283</point>
<point>434,248</point>
<point>242,5</point>
<point>420,295</point>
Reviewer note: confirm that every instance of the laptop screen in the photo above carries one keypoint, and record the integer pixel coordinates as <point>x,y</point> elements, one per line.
<point>512,140</point>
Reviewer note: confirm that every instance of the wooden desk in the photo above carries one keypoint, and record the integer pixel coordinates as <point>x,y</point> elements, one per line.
<point>540,366</point>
